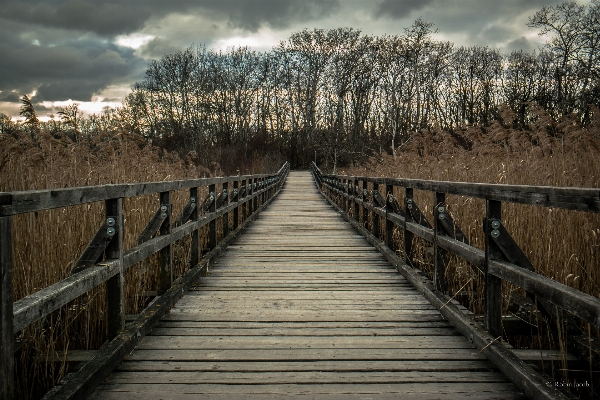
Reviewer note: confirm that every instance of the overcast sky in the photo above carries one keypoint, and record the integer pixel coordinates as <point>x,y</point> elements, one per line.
<point>92,51</point>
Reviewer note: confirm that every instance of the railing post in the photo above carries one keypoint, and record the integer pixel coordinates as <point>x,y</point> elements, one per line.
<point>408,236</point>
<point>439,271</point>
<point>493,284</point>
<point>365,211</point>
<point>245,204</point>
<point>343,198</point>
<point>389,225</point>
<point>236,210</point>
<point>212,225</point>
<point>349,192</point>
<point>115,286</point>
<point>374,215</point>
<point>255,198</point>
<point>7,337</point>
<point>225,204</point>
<point>166,253</point>
<point>195,252</point>
<point>356,208</point>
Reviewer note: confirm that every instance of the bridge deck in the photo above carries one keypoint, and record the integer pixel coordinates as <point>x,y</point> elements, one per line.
<point>302,305</point>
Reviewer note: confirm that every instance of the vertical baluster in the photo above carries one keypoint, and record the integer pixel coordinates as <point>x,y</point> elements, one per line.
<point>7,337</point>
<point>255,199</point>
<point>439,256</point>
<point>166,253</point>
<point>236,210</point>
<point>493,284</point>
<point>212,225</point>
<point>224,205</point>
<point>389,225</point>
<point>365,216</point>
<point>356,207</point>
<point>408,236</point>
<point>245,204</point>
<point>374,215</point>
<point>115,286</point>
<point>195,251</point>
<point>345,200</point>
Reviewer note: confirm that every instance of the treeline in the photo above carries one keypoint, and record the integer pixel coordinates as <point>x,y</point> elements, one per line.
<point>337,95</point>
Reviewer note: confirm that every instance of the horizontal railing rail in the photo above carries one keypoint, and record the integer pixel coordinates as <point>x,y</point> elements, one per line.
<point>363,199</point>
<point>105,259</point>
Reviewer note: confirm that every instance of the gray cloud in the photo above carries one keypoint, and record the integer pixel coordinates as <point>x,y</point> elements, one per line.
<point>400,8</point>
<point>66,72</point>
<point>66,48</point>
<point>103,18</point>
<point>158,47</point>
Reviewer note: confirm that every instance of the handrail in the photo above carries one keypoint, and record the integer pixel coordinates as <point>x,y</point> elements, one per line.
<point>502,258</point>
<point>105,260</point>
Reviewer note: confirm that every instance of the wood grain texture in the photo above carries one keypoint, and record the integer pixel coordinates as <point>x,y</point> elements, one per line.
<point>300,305</point>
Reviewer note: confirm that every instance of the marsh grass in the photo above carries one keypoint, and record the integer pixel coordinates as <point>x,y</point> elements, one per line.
<point>46,244</point>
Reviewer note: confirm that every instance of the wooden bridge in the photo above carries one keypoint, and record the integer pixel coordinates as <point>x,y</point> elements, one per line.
<point>306,303</point>
<point>302,304</point>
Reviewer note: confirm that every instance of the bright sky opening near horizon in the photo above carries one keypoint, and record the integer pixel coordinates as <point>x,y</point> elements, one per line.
<point>92,52</point>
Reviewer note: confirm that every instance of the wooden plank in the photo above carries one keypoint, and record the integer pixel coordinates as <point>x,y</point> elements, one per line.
<point>582,199</point>
<point>312,354</point>
<point>304,378</point>
<point>37,200</point>
<point>414,391</point>
<point>302,331</point>
<point>364,366</point>
<point>293,342</point>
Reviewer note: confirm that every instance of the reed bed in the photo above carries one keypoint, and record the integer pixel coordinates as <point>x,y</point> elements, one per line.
<point>46,244</point>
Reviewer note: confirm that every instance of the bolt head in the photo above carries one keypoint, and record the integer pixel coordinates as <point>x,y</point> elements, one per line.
<point>110,221</point>
<point>442,216</point>
<point>163,215</point>
<point>409,206</point>
<point>193,199</point>
<point>441,209</point>
<point>495,224</point>
<point>111,231</point>
<point>495,233</point>
<point>163,208</point>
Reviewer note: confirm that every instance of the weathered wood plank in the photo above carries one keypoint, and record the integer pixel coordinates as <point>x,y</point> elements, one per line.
<point>582,199</point>
<point>414,391</point>
<point>311,354</point>
<point>364,366</point>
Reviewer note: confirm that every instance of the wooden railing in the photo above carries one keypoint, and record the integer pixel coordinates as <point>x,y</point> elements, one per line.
<point>363,199</point>
<point>105,259</point>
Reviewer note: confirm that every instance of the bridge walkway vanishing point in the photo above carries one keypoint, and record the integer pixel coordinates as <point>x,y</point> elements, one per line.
<point>301,305</point>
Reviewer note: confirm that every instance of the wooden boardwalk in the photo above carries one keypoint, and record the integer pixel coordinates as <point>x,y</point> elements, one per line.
<point>302,306</point>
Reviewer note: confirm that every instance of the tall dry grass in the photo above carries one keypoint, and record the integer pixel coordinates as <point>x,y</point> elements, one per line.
<point>46,244</point>
<point>562,245</point>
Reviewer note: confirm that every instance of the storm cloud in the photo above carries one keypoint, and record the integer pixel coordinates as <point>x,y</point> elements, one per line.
<point>76,49</point>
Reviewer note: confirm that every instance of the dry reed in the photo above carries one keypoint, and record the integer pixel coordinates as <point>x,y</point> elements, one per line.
<point>47,243</point>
